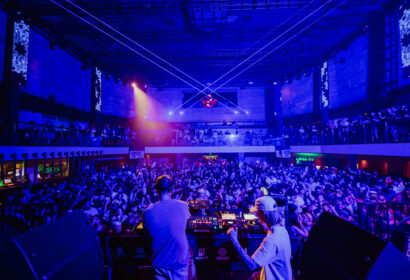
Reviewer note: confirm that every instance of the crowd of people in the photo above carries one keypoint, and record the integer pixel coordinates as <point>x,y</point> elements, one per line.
<point>210,136</point>
<point>114,198</point>
<point>80,134</point>
<point>390,125</point>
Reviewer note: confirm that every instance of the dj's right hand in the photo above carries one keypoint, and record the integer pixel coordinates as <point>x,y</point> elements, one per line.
<point>233,233</point>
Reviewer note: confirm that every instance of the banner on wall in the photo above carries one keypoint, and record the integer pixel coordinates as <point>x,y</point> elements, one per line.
<point>137,154</point>
<point>19,62</point>
<point>324,85</point>
<point>283,152</point>
<point>286,153</point>
<point>210,157</point>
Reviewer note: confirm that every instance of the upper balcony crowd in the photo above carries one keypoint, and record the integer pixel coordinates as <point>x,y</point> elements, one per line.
<point>391,125</point>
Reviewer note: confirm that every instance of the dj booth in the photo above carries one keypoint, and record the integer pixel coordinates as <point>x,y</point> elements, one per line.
<point>213,253</point>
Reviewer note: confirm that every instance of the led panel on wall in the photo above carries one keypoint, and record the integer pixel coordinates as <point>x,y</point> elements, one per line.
<point>324,85</point>
<point>98,90</point>
<point>404,23</point>
<point>19,63</point>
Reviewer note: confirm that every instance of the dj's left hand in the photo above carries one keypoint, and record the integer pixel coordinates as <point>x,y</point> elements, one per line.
<point>233,234</point>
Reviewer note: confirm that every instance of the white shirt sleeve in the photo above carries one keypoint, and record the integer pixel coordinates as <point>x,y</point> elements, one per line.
<point>266,252</point>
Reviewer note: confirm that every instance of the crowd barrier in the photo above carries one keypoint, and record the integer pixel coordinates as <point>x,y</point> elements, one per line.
<point>381,219</point>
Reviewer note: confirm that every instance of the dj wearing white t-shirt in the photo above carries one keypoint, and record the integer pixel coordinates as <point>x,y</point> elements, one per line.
<point>274,253</point>
<point>164,223</point>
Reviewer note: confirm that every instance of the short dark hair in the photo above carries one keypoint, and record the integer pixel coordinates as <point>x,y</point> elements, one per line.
<point>163,183</point>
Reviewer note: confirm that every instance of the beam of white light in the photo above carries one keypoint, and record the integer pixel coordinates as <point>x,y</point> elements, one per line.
<point>270,32</point>
<point>258,51</point>
<point>147,50</point>
<point>270,42</point>
<point>271,51</point>
<point>205,87</point>
<point>184,73</point>
<point>128,47</point>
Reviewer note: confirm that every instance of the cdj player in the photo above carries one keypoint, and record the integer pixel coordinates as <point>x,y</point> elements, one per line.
<point>221,221</point>
<point>203,224</point>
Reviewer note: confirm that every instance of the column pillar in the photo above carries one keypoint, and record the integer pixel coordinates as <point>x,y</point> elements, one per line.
<point>2,167</point>
<point>25,156</point>
<point>35,179</point>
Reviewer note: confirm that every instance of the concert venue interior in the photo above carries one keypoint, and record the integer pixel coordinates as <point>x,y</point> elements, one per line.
<point>305,101</point>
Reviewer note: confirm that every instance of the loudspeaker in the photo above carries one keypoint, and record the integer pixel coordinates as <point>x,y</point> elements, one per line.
<point>401,236</point>
<point>67,248</point>
<point>336,249</point>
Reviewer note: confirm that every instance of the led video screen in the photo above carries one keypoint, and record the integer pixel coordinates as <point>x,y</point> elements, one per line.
<point>404,22</point>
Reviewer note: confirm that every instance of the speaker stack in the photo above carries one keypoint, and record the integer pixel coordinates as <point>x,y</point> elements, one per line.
<point>336,249</point>
<point>67,248</point>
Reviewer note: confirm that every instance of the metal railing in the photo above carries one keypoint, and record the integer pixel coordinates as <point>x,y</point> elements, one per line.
<point>32,134</point>
<point>212,140</point>
<point>381,219</point>
<point>385,132</point>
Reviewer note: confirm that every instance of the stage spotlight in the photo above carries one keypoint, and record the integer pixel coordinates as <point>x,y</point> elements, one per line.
<point>170,113</point>
<point>236,112</point>
<point>246,112</point>
<point>181,112</point>
<point>275,83</point>
<point>134,85</point>
<point>250,83</point>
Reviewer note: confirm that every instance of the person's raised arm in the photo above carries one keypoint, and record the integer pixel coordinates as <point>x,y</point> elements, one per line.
<point>305,172</point>
<point>250,263</point>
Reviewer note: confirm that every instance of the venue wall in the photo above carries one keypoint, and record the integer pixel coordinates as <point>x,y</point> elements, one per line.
<point>55,72</point>
<point>250,99</point>
<point>117,99</point>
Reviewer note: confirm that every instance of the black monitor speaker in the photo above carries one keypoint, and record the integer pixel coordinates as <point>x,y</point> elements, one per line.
<point>66,248</point>
<point>336,249</point>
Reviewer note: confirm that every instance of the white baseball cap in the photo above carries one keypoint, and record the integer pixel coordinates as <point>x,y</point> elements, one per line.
<point>264,203</point>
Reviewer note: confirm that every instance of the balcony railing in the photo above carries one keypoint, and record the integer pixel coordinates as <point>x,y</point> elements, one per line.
<point>167,139</point>
<point>32,134</point>
<point>385,132</point>
<point>381,219</point>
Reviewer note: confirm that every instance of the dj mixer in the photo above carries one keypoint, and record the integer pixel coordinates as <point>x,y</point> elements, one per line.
<point>220,221</point>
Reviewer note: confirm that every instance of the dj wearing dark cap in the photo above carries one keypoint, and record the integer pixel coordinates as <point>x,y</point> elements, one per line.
<point>273,254</point>
<point>164,224</point>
